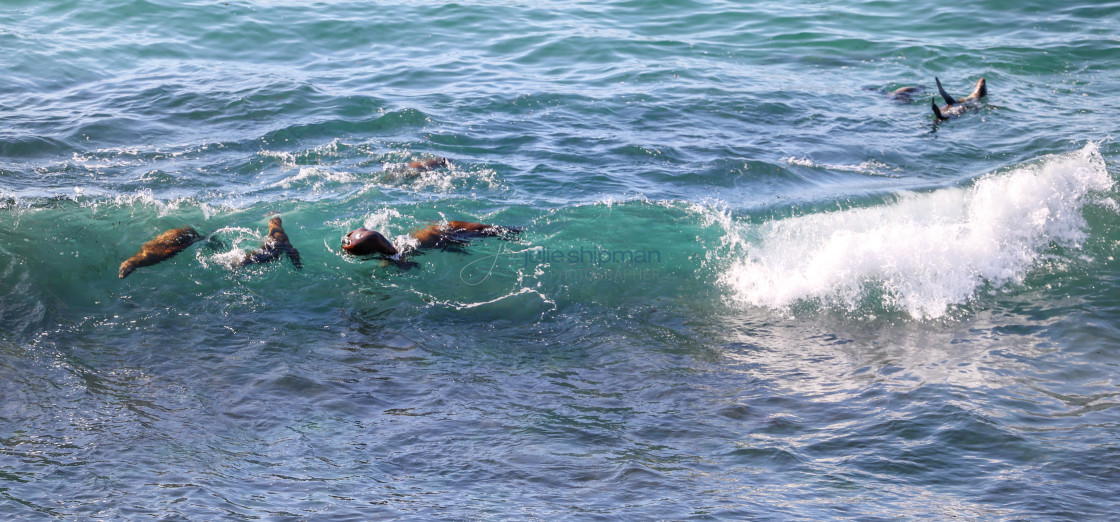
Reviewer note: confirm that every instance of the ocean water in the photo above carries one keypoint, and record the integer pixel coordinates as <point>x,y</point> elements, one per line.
<point>748,285</point>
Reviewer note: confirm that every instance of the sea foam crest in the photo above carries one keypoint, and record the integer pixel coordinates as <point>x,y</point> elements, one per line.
<point>925,252</point>
<point>871,167</point>
<point>315,177</point>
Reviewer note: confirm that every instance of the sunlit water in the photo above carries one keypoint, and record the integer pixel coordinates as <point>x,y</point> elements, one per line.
<point>748,283</point>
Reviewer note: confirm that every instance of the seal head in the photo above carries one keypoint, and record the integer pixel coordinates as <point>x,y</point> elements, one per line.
<point>363,241</point>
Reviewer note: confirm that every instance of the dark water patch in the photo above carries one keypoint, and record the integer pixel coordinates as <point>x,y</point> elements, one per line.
<point>34,147</point>
<point>383,124</point>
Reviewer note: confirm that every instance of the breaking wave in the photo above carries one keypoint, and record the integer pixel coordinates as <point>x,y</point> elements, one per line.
<point>925,252</point>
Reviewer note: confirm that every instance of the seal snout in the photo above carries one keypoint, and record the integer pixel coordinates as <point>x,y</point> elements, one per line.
<point>981,89</point>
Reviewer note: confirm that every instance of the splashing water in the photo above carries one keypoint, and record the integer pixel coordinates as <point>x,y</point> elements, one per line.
<point>926,252</point>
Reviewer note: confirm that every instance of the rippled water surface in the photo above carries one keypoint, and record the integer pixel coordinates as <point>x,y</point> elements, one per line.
<point>748,283</point>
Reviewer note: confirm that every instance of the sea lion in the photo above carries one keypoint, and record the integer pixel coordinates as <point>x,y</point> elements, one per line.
<point>363,241</point>
<point>163,247</point>
<point>412,169</point>
<point>275,245</point>
<point>428,164</point>
<point>901,94</point>
<point>957,107</point>
<point>904,94</point>
<point>456,233</point>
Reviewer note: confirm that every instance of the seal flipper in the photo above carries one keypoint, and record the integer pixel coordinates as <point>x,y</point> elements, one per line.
<point>948,99</point>
<point>293,256</point>
<point>936,111</point>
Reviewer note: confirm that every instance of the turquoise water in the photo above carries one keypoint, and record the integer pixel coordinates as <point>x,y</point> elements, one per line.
<point>748,285</point>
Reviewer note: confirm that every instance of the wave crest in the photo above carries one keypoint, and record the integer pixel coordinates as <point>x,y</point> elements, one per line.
<point>925,252</point>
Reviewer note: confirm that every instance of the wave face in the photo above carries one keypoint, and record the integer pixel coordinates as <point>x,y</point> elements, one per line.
<point>926,252</point>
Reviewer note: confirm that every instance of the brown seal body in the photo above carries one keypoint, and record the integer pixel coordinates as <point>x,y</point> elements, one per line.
<point>276,245</point>
<point>163,247</point>
<point>412,169</point>
<point>900,95</point>
<point>364,241</point>
<point>428,164</point>
<point>454,232</point>
<point>904,94</point>
<point>956,107</point>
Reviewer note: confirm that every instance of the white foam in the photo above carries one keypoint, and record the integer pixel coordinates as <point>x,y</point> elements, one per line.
<point>287,159</point>
<point>229,259</point>
<point>871,167</point>
<point>315,177</point>
<point>291,160</point>
<point>380,219</point>
<point>439,180</point>
<point>925,252</point>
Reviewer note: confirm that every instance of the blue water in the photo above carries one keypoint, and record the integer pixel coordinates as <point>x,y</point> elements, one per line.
<point>749,285</point>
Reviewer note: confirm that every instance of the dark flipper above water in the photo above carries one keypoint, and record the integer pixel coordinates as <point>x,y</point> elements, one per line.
<point>954,107</point>
<point>936,111</point>
<point>949,100</point>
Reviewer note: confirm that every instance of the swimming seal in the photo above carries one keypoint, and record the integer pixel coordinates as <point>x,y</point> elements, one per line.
<point>428,164</point>
<point>163,247</point>
<point>412,169</point>
<point>956,107</point>
<point>363,241</point>
<point>276,245</point>
<point>901,94</point>
<point>456,233</point>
